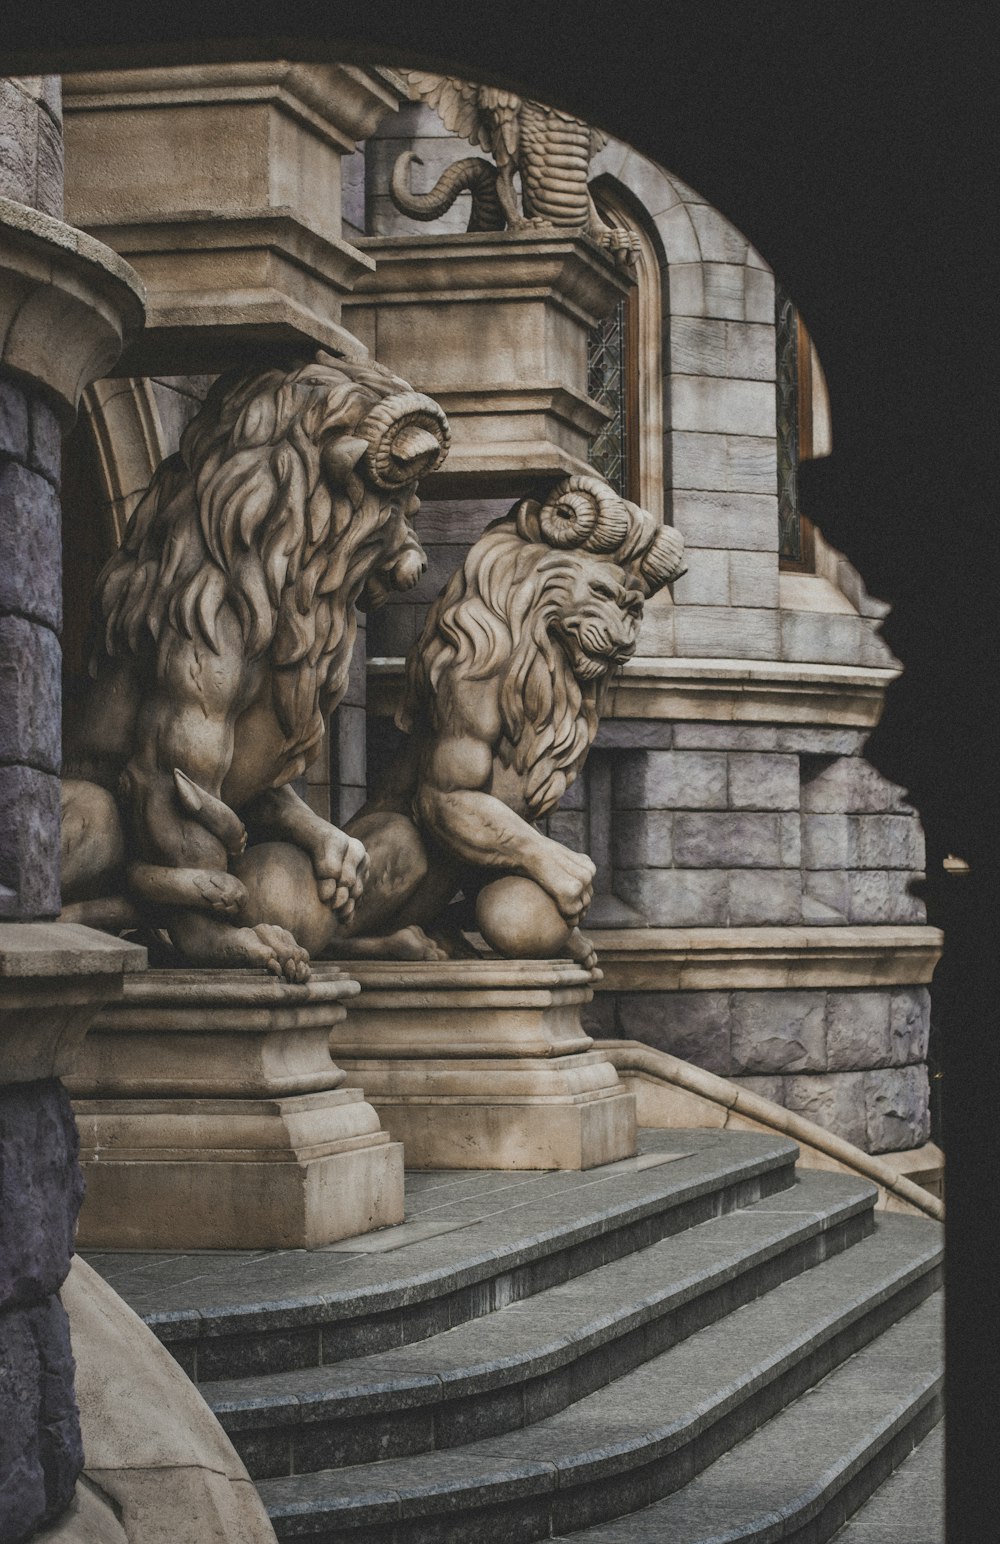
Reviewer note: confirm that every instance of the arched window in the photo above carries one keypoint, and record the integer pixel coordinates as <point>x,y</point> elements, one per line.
<point>625,370</point>
<point>802,423</point>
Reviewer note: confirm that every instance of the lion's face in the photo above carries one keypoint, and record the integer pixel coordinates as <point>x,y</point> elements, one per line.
<point>401,559</point>
<point>597,617</point>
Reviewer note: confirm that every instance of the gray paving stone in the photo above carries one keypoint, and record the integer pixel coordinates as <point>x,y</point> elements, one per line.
<point>778,1032</point>
<point>909,1506</point>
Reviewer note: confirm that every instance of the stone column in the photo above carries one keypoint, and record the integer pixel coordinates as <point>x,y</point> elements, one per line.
<point>66,304</point>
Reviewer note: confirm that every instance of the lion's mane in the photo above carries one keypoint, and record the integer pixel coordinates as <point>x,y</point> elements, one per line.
<point>499,607</point>
<point>255,513</point>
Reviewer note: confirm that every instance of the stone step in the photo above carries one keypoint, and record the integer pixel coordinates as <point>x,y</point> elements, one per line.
<point>798,1477</point>
<point>535,1357</point>
<point>646,1434</point>
<point>909,1507</point>
<point>473,1242</point>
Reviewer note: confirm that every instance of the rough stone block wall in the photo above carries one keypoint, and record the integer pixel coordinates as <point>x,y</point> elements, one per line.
<point>31,145</point>
<point>41,1188</point>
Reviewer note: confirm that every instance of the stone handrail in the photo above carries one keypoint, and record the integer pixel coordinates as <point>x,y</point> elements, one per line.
<point>700,1098</point>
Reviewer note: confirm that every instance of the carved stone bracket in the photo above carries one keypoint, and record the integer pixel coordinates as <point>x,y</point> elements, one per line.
<point>67,305</point>
<point>495,327</point>
<point>222,184</point>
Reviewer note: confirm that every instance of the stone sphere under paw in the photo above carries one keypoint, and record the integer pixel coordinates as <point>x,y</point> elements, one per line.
<point>521,920</point>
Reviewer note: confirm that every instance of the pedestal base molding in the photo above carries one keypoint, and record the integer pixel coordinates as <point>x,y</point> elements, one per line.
<point>484,1065</point>
<point>211,1117</point>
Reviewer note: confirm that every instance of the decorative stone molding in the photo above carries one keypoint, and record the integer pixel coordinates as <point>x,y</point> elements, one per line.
<point>54,977</point>
<point>727,690</point>
<point>212,1117</point>
<point>68,303</point>
<point>652,959</point>
<point>495,327</point>
<point>241,249</point>
<point>483,1064</point>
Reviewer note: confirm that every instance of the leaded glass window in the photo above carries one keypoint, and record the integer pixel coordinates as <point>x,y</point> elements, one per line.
<point>787,341</point>
<point>607,383</point>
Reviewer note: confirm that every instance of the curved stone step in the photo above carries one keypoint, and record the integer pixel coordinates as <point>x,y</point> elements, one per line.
<point>533,1358</point>
<point>909,1507</point>
<point>472,1243</point>
<point>646,1434</point>
<point>816,1462</point>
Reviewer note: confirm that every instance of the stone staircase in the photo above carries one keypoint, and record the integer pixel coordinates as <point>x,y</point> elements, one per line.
<point>693,1346</point>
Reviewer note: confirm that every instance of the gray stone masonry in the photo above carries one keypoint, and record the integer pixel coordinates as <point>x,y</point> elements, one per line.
<point>31,152</point>
<point>40,1192</point>
<point>30,660</point>
<point>854,1061</point>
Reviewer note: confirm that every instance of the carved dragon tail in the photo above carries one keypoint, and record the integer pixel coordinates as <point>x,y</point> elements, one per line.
<point>471,175</point>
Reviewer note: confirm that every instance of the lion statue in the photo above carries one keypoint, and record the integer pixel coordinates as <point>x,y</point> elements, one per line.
<point>224,630</point>
<point>504,692</point>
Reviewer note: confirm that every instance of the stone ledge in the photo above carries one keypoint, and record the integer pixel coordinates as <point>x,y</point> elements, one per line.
<point>48,949</point>
<point>763,958</point>
<point>720,690</point>
<point>67,304</point>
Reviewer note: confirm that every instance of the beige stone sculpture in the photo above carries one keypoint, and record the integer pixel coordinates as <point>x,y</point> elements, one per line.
<point>503,698</point>
<point>226,623</point>
<point>549,149</point>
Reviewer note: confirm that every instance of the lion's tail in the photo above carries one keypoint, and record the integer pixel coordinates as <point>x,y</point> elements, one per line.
<point>471,175</point>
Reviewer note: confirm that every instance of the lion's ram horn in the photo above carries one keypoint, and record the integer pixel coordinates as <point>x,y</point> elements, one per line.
<point>407,437</point>
<point>584,512</point>
<point>664,560</point>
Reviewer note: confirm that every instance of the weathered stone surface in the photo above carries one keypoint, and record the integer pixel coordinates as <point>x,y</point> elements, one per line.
<point>706,582</point>
<point>823,636</point>
<point>835,1101</point>
<point>729,463</point>
<point>857,1030</point>
<point>772,1088</point>
<point>753,579</point>
<point>13,423</point>
<point>847,784</point>
<point>18,143</point>
<point>702,734</point>
<point>29,842</point>
<point>816,740</point>
<point>909,1024</point>
<point>731,840</point>
<point>634,734</point>
<point>885,842</point>
<point>726,632</point>
<point>40,1449</point>
<point>692,1025</point>
<point>778,1032</point>
<point>718,405</point>
<point>45,451</point>
<point>677,897</point>
<point>763,782</point>
<point>40,1191</point>
<point>824,841</point>
<point>642,839</point>
<point>733,521</point>
<point>599,1017</point>
<point>570,828</point>
<point>712,346</point>
<point>878,895</point>
<point>673,780</point>
<point>30,694</point>
<point>31,570</point>
<point>898,1109</point>
<point>824,896</point>
<point>49,167</point>
<point>760,897</point>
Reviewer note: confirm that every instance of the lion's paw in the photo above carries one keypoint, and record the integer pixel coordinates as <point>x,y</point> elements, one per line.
<point>412,943</point>
<point>275,949</point>
<point>340,864</point>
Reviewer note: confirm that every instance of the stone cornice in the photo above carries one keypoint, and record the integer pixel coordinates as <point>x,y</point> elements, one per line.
<point>68,304</point>
<point>763,958</point>
<point>720,690</point>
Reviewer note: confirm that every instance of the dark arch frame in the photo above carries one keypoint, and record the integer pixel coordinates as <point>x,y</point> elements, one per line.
<point>850,146</point>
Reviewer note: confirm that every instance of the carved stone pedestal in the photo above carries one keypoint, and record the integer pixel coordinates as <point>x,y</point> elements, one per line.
<point>494,326</point>
<point>484,1065</point>
<point>212,1117</point>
